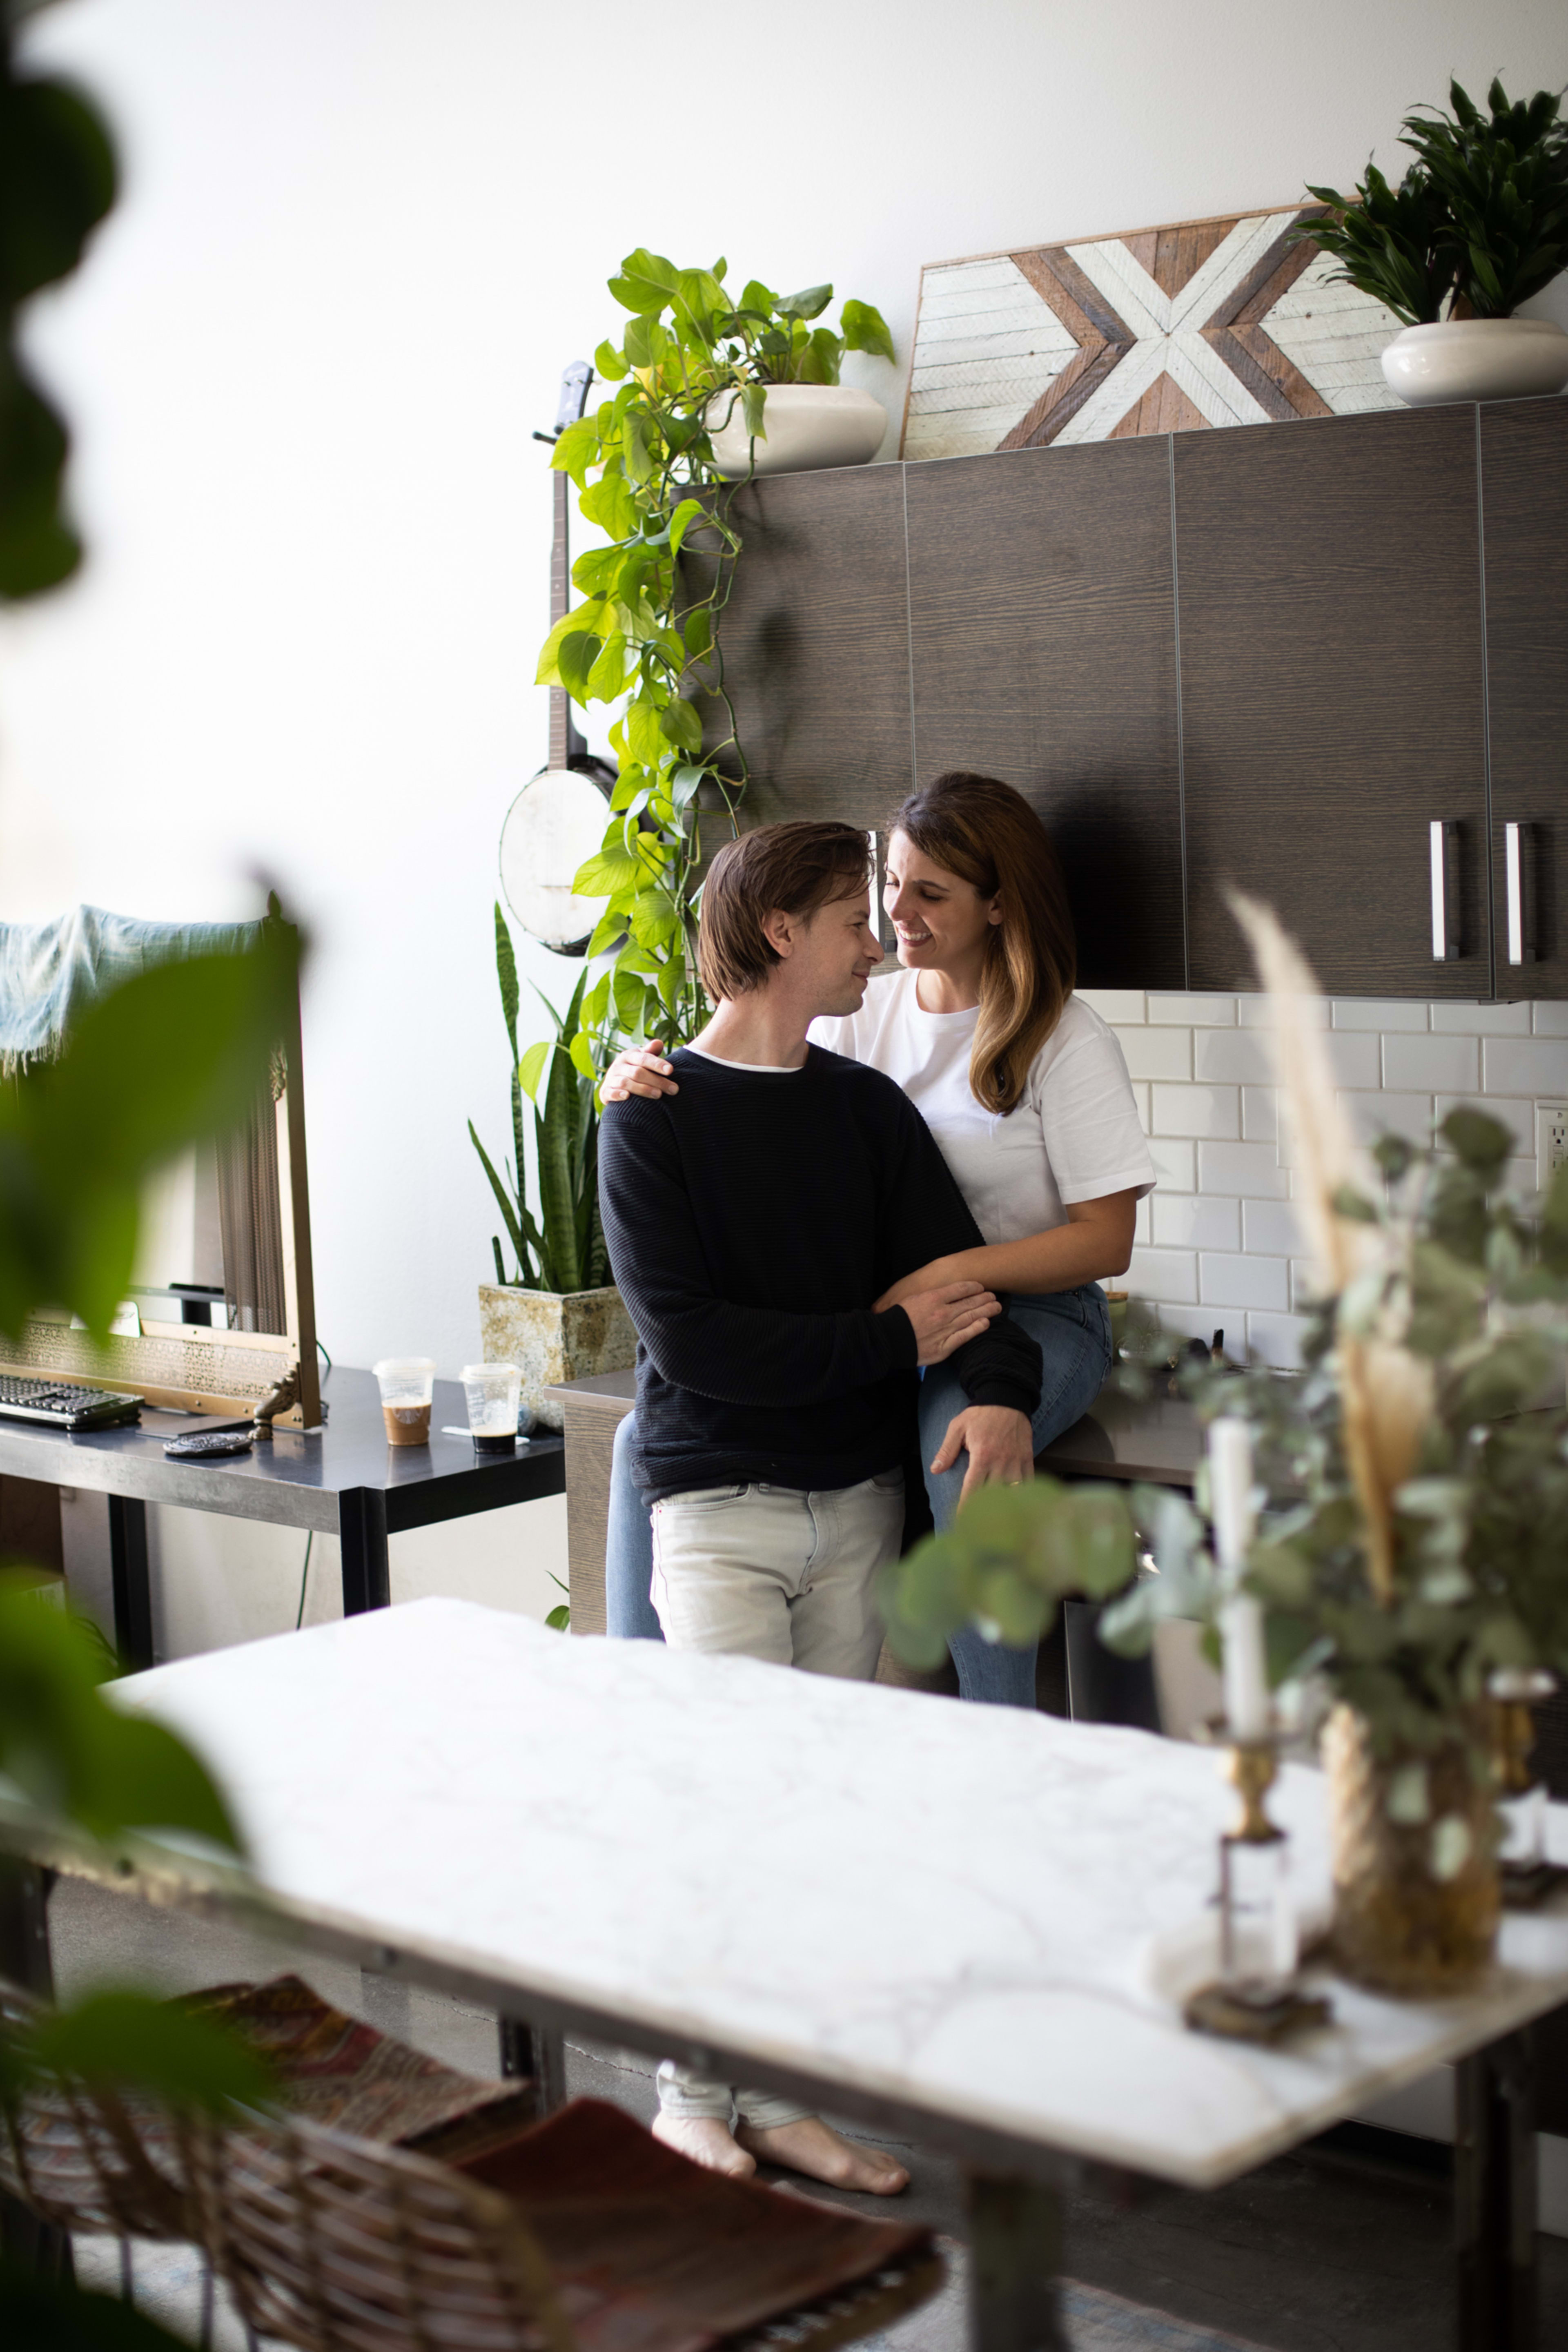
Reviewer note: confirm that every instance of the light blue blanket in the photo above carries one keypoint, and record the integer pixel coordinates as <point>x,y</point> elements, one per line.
<point>49,972</point>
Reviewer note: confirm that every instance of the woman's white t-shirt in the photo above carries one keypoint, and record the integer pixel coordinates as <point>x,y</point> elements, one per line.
<point>1073,1136</point>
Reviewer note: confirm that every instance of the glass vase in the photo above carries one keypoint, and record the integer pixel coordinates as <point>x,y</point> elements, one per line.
<point>1414,1848</point>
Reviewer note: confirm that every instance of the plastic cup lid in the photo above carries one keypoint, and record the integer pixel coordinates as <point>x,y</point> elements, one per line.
<point>390,1366</point>
<point>490,1371</point>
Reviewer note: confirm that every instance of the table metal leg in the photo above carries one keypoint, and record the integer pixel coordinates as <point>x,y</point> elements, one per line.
<point>1495,2197</point>
<point>24,1961</point>
<point>362,1536</point>
<point>132,1587</point>
<point>1015,2259</point>
<point>529,2053</point>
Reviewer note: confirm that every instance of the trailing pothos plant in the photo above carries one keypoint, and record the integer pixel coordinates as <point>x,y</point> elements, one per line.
<point>650,627</point>
<point>564,1249</point>
<point>1478,224</point>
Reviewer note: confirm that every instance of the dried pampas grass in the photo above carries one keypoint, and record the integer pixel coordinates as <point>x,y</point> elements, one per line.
<point>1385,1391</point>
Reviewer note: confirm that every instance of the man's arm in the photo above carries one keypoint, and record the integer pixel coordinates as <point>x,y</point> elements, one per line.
<point>737,1355</point>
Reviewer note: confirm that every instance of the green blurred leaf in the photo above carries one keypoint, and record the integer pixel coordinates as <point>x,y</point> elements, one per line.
<point>681,724</point>
<point>57,181</point>
<point>131,2042</point>
<point>609,362</point>
<point>43,2315</point>
<point>506,973</point>
<point>865,330</point>
<point>808,304</point>
<point>531,1065</point>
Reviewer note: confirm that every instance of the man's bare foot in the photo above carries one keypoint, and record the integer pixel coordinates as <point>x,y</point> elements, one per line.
<point>815,2148</point>
<point>708,2142</point>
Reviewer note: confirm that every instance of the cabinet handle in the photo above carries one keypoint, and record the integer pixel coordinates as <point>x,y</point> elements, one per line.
<point>1518,869</point>
<point>1445,839</point>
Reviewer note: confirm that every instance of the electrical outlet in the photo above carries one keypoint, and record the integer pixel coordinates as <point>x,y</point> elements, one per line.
<point>1551,1141</point>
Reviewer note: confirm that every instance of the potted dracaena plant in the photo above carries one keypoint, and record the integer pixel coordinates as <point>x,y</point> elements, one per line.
<point>1476,225</point>
<point>557,1317</point>
<point>1409,1564</point>
<point>710,388</point>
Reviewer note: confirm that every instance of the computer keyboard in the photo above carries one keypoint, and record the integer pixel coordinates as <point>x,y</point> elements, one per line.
<point>64,1404</point>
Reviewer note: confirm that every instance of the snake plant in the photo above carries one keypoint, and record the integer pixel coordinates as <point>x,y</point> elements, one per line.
<point>564,1249</point>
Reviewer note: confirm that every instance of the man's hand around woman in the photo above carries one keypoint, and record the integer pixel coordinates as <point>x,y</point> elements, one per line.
<point>638,1070</point>
<point>944,1319</point>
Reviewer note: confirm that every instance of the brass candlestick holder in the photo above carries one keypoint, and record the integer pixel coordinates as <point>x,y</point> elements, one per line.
<point>1259,1995</point>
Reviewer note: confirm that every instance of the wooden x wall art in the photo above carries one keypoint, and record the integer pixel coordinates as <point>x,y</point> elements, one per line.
<point>1206,322</point>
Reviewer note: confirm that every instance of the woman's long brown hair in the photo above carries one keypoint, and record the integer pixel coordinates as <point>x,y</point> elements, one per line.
<point>981,830</point>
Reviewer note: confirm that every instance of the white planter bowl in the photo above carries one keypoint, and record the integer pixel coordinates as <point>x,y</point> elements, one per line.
<point>1477,358</point>
<point>805,424</point>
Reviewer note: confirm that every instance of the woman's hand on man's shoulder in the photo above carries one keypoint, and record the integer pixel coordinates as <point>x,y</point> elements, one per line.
<point>638,1070</point>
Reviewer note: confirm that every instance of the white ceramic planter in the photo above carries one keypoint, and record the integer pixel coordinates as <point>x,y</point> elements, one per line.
<point>553,1337</point>
<point>1477,358</point>
<point>805,424</point>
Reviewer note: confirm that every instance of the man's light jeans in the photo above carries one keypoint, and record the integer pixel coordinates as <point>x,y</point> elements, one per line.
<point>776,1573</point>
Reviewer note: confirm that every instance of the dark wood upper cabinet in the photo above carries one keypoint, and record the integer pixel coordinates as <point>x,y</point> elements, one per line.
<point>1524,509</point>
<point>1329,602</point>
<point>1043,647</point>
<point>816,644</point>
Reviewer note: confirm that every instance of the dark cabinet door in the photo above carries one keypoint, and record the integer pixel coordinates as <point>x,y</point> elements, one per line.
<point>1524,510</point>
<point>1328,586</point>
<point>1043,647</point>
<point>816,645</point>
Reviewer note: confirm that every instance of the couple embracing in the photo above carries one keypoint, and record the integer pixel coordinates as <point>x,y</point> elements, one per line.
<point>860,1227</point>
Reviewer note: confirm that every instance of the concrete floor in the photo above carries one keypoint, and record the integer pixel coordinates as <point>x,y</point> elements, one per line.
<point>1331,2250</point>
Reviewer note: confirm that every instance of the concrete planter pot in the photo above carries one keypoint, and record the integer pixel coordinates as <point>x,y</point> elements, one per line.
<point>1477,358</point>
<point>552,1335</point>
<point>806,425</point>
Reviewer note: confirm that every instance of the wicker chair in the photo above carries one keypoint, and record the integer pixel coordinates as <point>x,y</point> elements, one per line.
<point>335,2246</point>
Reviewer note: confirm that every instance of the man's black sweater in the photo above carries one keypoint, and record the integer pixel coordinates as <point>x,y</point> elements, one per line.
<point>752,1218</point>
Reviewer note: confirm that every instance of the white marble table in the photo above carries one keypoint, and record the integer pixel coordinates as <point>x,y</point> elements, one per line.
<point>905,1909</point>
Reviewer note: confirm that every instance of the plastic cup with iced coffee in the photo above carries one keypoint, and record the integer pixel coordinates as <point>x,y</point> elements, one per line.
<point>491,1391</point>
<point>407,1384</point>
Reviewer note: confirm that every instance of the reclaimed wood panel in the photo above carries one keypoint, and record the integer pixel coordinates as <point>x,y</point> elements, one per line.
<point>816,644</point>
<point>1212,322</point>
<point>1043,638</point>
<point>1524,498</point>
<point>1329,603</point>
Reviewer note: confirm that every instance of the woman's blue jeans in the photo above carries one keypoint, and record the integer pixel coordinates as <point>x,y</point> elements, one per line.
<point>1073,1330</point>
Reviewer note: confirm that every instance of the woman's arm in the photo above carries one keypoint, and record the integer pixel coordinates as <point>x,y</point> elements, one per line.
<point>1095,1244</point>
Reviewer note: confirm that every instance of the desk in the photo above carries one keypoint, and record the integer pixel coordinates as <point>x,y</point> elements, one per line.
<point>927,1917</point>
<point>1158,1442</point>
<point>344,1480</point>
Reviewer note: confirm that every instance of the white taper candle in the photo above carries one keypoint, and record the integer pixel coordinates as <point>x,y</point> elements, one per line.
<point>1240,1617</point>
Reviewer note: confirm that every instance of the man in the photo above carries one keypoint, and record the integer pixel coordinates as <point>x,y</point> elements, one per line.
<point>752,1219</point>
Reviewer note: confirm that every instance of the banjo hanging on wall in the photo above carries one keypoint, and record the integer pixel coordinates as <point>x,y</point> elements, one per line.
<point>557,820</point>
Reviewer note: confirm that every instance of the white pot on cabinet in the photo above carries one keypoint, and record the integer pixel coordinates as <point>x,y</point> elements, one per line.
<point>805,424</point>
<point>1477,358</point>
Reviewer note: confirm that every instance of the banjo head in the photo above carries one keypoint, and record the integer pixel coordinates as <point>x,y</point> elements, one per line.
<point>554,825</point>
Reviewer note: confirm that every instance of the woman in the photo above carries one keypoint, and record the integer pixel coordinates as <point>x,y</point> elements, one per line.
<point>1027,1093</point>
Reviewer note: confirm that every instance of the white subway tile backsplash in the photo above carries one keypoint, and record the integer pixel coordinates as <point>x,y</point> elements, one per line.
<point>1271,1227</point>
<point>1192,1221</point>
<point>1259,1115</point>
<point>1198,1110</point>
<point>1157,1052</point>
<point>1176,1163</point>
<point>1115,1004</point>
<point>1164,1274</point>
<point>1377,1012</point>
<point>1482,1019</point>
<point>1445,1065</point>
<point>1256,1014</point>
<point>1221,1241</point>
<point>1277,1339</point>
<point>1232,1057</point>
<point>1251,1171</point>
<point>1239,1281</point>
<point>1388,1114</point>
<point>1193,1011</point>
<point>1525,1066</point>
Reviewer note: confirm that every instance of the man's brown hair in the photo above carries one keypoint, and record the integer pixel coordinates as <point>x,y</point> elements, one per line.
<point>789,869</point>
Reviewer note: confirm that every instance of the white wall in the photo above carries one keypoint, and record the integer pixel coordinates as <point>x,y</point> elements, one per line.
<point>358,241</point>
